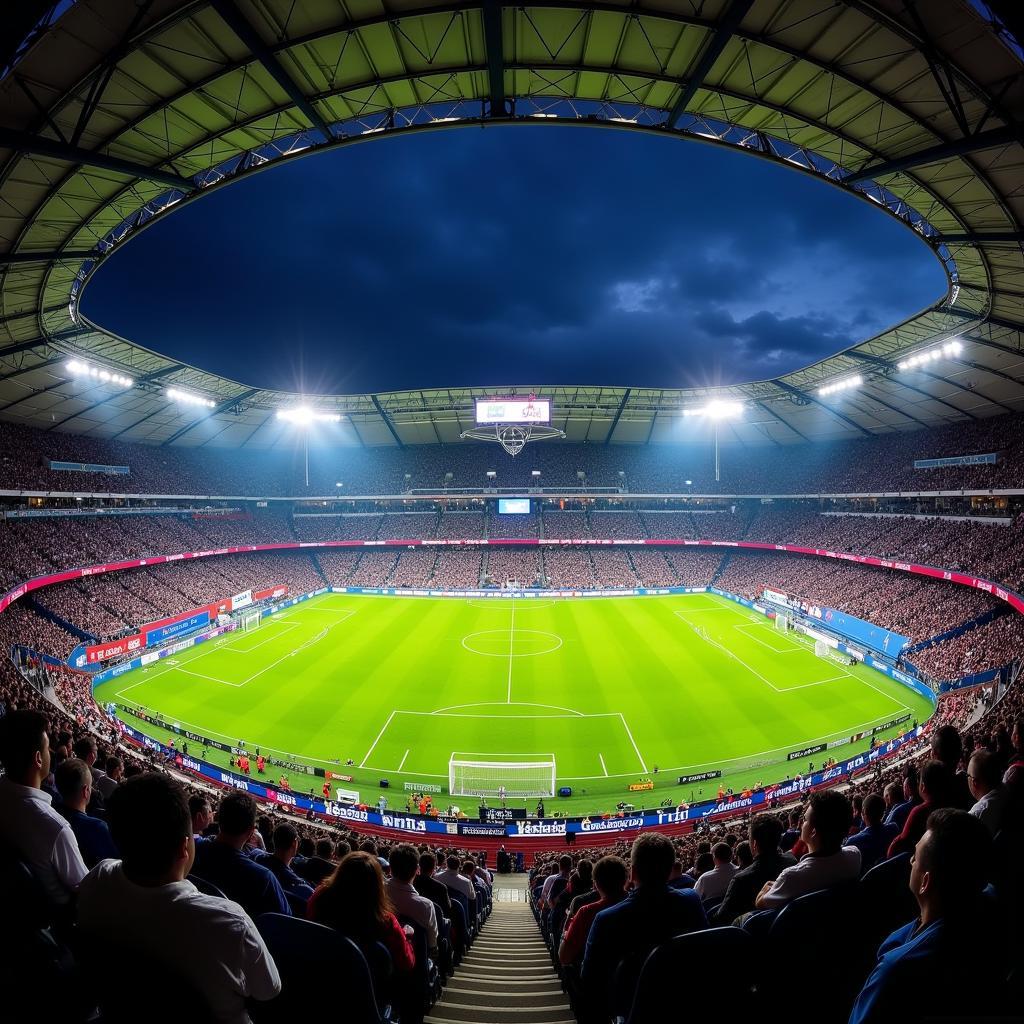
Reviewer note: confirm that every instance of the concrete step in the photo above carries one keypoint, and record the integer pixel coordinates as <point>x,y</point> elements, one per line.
<point>476,981</point>
<point>501,996</point>
<point>503,1014</point>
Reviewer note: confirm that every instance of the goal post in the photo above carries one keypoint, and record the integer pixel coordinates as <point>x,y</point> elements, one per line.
<point>502,777</point>
<point>250,620</point>
<point>781,622</point>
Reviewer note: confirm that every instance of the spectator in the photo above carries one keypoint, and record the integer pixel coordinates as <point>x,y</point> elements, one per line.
<point>404,897</point>
<point>145,905</point>
<point>923,972</point>
<point>456,882</point>
<point>712,884</point>
<point>320,866</point>
<point>826,823</point>
<point>428,886</point>
<point>609,877</point>
<point>648,916</point>
<point>201,814</point>
<point>948,749</point>
<point>1014,775</point>
<point>679,879</point>
<point>874,838</point>
<point>911,798</point>
<point>85,749</point>
<point>355,902</point>
<point>279,863</point>
<point>222,862</point>
<point>106,784</point>
<point>554,884</point>
<point>769,862</point>
<point>74,784</point>
<point>28,823</point>
<point>989,793</point>
<point>936,783</point>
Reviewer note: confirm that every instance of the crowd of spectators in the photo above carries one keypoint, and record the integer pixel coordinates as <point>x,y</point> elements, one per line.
<point>881,463</point>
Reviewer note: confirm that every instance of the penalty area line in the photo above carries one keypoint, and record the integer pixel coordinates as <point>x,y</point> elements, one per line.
<point>401,764</point>
<point>604,768</point>
<point>362,764</point>
<point>639,756</point>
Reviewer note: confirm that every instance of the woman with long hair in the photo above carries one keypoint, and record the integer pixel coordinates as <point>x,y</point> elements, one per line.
<point>354,901</point>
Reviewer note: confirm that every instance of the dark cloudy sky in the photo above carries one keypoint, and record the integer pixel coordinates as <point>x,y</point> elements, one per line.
<point>532,255</point>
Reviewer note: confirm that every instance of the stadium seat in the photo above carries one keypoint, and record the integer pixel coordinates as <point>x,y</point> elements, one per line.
<point>205,887</point>
<point>699,955</point>
<point>306,955</point>
<point>885,900</point>
<point>824,921</point>
<point>416,993</point>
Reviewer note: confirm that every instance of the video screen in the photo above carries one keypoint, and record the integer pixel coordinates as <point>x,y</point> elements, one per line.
<point>513,410</point>
<point>513,506</point>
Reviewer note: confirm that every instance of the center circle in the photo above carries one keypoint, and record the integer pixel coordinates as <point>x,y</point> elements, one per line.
<point>504,643</point>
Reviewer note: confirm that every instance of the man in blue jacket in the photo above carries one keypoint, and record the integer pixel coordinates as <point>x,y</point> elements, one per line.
<point>222,862</point>
<point>651,913</point>
<point>941,965</point>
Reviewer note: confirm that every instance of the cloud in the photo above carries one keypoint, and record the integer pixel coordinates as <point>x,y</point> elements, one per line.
<point>528,255</point>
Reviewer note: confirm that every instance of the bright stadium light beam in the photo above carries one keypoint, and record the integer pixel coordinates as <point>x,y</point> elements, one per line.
<point>717,411</point>
<point>304,417</point>
<point>947,350</point>
<point>846,384</point>
<point>187,398</point>
<point>79,368</point>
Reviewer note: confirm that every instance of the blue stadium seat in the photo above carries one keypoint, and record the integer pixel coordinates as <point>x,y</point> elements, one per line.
<point>307,954</point>
<point>700,956</point>
<point>885,900</point>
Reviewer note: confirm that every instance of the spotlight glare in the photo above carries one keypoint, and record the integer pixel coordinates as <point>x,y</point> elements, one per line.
<point>717,410</point>
<point>303,416</point>
<point>187,398</point>
<point>81,369</point>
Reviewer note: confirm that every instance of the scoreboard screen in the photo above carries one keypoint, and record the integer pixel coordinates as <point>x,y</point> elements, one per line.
<point>513,506</point>
<point>513,410</point>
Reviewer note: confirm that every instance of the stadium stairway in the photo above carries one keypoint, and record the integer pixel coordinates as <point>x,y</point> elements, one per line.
<point>506,977</point>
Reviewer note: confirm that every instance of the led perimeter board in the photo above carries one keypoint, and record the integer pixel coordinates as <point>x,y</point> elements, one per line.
<point>512,410</point>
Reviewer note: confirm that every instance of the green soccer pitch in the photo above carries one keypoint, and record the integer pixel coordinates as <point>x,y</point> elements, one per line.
<point>611,687</point>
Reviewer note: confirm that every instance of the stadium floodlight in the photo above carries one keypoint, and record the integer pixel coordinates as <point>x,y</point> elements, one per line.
<point>717,411</point>
<point>947,350</point>
<point>187,398</point>
<point>83,369</point>
<point>846,384</point>
<point>303,416</point>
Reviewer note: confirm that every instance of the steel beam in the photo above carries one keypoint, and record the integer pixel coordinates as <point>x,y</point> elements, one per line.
<point>824,405</point>
<point>10,258</point>
<point>782,420</point>
<point>720,37</point>
<point>982,237</point>
<point>933,154</point>
<point>38,342</point>
<point>239,24</point>
<point>494,42</point>
<point>618,415</point>
<point>901,382</point>
<point>22,142</point>
<point>387,420</point>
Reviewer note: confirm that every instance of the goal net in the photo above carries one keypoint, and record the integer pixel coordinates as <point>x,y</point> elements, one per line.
<point>781,622</point>
<point>822,649</point>
<point>502,778</point>
<point>250,620</point>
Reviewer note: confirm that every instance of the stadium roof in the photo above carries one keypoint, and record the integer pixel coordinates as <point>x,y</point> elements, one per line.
<point>115,112</point>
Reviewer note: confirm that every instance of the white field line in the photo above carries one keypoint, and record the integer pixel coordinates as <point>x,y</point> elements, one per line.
<point>377,740</point>
<point>213,679</point>
<point>498,718</point>
<point>401,764</point>
<point>269,639</point>
<point>517,703</point>
<point>308,643</point>
<point>639,756</point>
<point>791,649</point>
<point>511,640</point>
<point>604,768</point>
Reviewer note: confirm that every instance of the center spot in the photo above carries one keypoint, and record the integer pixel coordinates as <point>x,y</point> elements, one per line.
<point>500,643</point>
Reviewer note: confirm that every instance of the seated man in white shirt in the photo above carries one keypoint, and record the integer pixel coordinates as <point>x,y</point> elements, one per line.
<point>28,823</point>
<point>144,907</point>
<point>712,884</point>
<point>826,823</point>
<point>455,881</point>
<point>405,862</point>
<point>985,781</point>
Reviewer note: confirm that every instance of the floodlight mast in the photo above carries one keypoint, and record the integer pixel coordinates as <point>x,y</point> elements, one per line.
<point>304,417</point>
<point>717,411</point>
